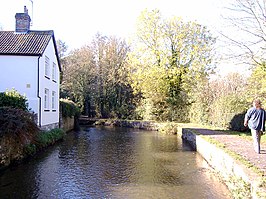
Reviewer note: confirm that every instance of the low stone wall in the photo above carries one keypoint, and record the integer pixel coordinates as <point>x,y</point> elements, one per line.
<point>50,127</point>
<point>137,124</point>
<point>228,168</point>
<point>146,125</point>
<point>68,123</point>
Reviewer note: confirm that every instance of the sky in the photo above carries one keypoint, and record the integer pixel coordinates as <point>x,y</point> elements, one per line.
<point>77,22</point>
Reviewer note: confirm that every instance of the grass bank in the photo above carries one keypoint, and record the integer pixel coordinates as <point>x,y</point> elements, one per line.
<point>44,139</point>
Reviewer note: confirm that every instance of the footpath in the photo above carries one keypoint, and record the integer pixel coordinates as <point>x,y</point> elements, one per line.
<point>231,156</point>
<point>237,147</point>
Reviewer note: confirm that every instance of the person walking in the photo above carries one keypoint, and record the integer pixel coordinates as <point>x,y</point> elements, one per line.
<point>255,120</point>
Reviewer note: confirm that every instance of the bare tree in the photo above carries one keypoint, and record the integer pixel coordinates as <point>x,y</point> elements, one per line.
<point>61,48</point>
<point>247,18</point>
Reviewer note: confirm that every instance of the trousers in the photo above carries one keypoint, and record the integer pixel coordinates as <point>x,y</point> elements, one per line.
<point>256,135</point>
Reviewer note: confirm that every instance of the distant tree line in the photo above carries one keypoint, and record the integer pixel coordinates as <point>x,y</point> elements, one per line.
<point>163,74</point>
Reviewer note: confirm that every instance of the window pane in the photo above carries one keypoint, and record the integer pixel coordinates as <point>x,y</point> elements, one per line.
<point>47,66</point>
<point>53,100</point>
<point>54,72</point>
<point>46,98</point>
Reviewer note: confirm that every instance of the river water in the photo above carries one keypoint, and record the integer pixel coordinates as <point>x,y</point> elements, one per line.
<point>115,163</point>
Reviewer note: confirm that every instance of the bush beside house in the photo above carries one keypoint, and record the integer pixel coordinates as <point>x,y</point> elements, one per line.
<point>69,114</point>
<point>20,136</point>
<point>12,98</point>
<point>17,130</point>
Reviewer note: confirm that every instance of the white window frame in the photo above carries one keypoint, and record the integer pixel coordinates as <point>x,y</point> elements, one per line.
<point>53,100</point>
<point>54,72</point>
<point>46,99</point>
<point>47,67</point>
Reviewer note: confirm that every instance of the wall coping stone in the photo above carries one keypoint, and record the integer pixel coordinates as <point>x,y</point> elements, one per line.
<point>223,163</point>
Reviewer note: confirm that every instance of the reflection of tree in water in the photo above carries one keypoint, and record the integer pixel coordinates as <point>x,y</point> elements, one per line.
<point>102,161</point>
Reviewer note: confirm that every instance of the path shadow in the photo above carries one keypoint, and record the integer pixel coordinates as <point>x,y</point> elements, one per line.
<point>203,131</point>
<point>263,151</point>
<point>237,122</point>
<point>190,135</point>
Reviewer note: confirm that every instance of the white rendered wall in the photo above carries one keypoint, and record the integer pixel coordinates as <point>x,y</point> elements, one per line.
<point>49,116</point>
<point>20,73</point>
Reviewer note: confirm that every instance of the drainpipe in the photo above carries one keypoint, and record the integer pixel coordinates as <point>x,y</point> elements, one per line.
<point>38,92</point>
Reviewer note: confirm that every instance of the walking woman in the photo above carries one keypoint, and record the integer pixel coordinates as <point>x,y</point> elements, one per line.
<point>255,120</point>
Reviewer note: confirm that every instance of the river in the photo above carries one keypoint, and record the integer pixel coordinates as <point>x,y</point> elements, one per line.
<point>115,163</point>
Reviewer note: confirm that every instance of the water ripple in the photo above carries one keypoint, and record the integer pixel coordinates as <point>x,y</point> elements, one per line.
<point>114,163</point>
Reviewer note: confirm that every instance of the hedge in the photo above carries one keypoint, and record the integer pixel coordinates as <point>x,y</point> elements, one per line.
<point>11,98</point>
<point>68,108</point>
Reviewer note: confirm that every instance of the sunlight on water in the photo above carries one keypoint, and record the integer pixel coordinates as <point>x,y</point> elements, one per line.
<point>114,163</point>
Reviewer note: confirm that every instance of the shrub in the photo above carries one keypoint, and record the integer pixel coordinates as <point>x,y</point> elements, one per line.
<point>168,128</point>
<point>17,122</point>
<point>30,149</point>
<point>13,99</point>
<point>237,123</point>
<point>68,108</point>
<point>44,139</point>
<point>224,110</point>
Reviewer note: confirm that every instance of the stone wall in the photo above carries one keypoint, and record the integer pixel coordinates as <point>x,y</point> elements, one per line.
<point>146,125</point>
<point>68,123</point>
<point>50,127</point>
<point>136,124</point>
<point>227,167</point>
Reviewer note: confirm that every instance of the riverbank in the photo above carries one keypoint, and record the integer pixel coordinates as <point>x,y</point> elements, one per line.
<point>107,162</point>
<point>14,149</point>
<point>233,158</point>
<point>167,128</point>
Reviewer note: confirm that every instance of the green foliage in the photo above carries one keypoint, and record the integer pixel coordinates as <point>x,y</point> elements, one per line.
<point>19,126</point>
<point>17,122</point>
<point>44,139</point>
<point>68,108</point>
<point>12,98</point>
<point>169,60</point>
<point>221,102</point>
<point>30,149</point>
<point>257,84</point>
<point>96,77</point>
<point>238,187</point>
<point>165,77</point>
<point>201,100</point>
<point>168,128</point>
<point>154,81</point>
<point>263,139</point>
<point>143,111</point>
<point>224,110</point>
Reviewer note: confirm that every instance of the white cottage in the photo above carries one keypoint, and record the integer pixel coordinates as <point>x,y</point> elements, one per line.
<point>29,63</point>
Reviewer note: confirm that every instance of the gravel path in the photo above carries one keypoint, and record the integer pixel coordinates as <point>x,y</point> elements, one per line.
<point>239,145</point>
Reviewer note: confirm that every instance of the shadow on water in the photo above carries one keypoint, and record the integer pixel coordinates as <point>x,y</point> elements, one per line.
<point>114,163</point>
